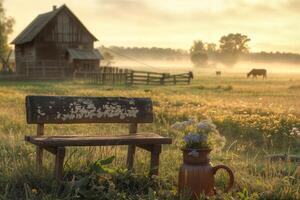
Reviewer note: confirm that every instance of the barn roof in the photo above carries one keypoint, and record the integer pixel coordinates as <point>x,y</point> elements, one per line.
<point>37,25</point>
<point>85,54</point>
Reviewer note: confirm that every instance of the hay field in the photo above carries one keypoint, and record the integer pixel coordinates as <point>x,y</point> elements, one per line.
<point>255,116</point>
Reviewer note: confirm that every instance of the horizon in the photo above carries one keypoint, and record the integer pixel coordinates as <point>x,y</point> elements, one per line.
<point>149,23</point>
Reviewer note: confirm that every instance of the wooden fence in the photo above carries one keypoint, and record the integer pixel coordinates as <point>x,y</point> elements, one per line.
<point>113,76</point>
<point>154,78</point>
<point>46,69</point>
<point>104,76</point>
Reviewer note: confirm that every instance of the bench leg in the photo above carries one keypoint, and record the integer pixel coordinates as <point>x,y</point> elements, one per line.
<point>39,150</point>
<point>130,156</point>
<point>39,158</point>
<point>59,162</point>
<point>155,152</point>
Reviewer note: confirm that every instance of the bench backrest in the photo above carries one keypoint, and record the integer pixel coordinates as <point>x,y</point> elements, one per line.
<point>70,109</point>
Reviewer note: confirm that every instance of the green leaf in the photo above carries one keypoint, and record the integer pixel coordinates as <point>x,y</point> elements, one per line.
<point>99,168</point>
<point>107,161</point>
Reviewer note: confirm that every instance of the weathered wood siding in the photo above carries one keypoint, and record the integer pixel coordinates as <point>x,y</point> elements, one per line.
<point>63,32</point>
<point>23,54</point>
<point>86,65</point>
<point>67,109</point>
<point>47,54</point>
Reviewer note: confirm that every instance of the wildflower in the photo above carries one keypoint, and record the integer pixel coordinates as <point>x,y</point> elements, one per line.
<point>34,191</point>
<point>190,121</point>
<point>194,138</point>
<point>180,126</point>
<point>206,126</point>
<point>295,132</point>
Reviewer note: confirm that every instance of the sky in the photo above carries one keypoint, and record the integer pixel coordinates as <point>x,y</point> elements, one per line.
<point>272,25</point>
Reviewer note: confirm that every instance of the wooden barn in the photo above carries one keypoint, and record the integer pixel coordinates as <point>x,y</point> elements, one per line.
<point>55,45</point>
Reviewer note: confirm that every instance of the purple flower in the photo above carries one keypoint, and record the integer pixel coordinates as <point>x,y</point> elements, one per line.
<point>193,138</point>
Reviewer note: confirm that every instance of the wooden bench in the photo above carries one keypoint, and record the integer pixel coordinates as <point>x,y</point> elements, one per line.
<point>42,110</point>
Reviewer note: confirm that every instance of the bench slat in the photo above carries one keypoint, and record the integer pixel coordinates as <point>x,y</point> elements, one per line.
<point>70,109</point>
<point>140,138</point>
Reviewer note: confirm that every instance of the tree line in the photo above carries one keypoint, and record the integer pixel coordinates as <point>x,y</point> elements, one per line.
<point>228,51</point>
<point>145,52</point>
<point>200,53</point>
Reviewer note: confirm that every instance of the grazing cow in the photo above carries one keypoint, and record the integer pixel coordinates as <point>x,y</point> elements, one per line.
<point>218,73</point>
<point>257,72</point>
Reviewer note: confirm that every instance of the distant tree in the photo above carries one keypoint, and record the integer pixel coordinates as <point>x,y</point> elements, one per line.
<point>6,24</point>
<point>210,48</point>
<point>233,45</point>
<point>198,54</point>
<point>108,58</point>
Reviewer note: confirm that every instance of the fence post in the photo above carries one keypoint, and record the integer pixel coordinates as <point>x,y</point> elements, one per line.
<point>44,70</point>
<point>27,70</point>
<point>126,76</point>
<point>131,78</point>
<point>148,78</point>
<point>63,71</point>
<point>104,76</point>
<point>120,72</point>
<point>190,76</point>
<point>174,79</point>
<point>74,75</point>
<point>162,80</point>
<point>101,76</point>
<point>113,76</point>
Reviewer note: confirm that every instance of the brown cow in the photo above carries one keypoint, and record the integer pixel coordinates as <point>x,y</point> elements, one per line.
<point>257,72</point>
<point>218,73</point>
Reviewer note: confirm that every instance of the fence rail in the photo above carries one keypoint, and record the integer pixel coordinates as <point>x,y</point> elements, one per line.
<point>103,76</point>
<point>154,78</point>
<point>112,76</point>
<point>46,69</point>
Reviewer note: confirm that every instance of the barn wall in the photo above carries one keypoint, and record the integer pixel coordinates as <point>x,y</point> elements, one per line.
<point>61,33</point>
<point>24,55</point>
<point>86,65</point>
<point>46,56</point>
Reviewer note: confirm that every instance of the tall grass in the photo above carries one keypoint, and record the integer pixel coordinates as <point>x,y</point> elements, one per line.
<point>256,117</point>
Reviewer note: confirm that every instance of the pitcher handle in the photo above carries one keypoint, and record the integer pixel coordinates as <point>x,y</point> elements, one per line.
<point>230,173</point>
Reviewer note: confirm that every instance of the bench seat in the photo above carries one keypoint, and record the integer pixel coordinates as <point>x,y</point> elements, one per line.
<point>43,110</point>
<point>76,140</point>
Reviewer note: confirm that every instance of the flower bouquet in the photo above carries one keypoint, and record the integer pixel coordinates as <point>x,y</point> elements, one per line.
<point>196,173</point>
<point>200,135</point>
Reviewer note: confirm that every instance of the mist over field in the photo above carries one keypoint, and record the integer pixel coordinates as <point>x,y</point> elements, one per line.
<point>203,57</point>
<point>242,66</point>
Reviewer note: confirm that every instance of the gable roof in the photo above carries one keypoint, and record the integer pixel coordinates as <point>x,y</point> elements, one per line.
<point>85,54</point>
<point>37,25</point>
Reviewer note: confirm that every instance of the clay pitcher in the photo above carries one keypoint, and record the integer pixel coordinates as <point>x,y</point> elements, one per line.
<point>197,175</point>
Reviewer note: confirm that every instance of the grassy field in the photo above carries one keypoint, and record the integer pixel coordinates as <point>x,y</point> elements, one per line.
<point>255,116</point>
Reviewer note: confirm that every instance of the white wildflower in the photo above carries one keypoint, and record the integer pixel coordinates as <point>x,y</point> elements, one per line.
<point>180,126</point>
<point>193,138</point>
<point>206,126</point>
<point>295,132</point>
